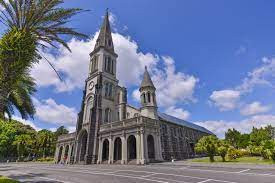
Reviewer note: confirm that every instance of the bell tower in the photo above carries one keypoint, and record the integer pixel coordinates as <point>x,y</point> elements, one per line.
<point>98,105</point>
<point>148,97</point>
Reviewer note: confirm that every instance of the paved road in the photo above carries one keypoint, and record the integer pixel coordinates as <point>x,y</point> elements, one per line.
<point>46,173</point>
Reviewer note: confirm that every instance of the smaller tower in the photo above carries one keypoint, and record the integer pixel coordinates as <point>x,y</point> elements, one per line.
<point>148,97</point>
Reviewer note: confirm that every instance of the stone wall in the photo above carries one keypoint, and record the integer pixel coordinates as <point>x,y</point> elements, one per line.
<point>177,141</point>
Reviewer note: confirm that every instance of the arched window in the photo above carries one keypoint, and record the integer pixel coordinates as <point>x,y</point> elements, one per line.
<point>106,63</point>
<point>110,90</point>
<point>107,115</point>
<point>89,106</point>
<point>149,97</point>
<point>118,98</point>
<point>112,67</point>
<point>136,115</point>
<point>109,64</point>
<point>109,43</point>
<point>128,115</point>
<point>144,98</point>
<point>106,89</point>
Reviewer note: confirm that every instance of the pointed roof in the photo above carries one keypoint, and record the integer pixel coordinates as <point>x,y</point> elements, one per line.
<point>105,35</point>
<point>147,81</point>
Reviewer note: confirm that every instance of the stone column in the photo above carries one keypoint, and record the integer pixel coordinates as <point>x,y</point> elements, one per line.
<point>111,151</point>
<point>124,150</point>
<point>138,147</point>
<point>63,154</point>
<point>69,154</point>
<point>99,160</point>
<point>76,156</point>
<point>142,155</point>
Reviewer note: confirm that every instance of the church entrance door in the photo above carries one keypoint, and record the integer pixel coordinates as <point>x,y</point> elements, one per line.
<point>151,147</point>
<point>66,153</point>
<point>117,149</point>
<point>83,145</point>
<point>59,154</point>
<point>132,148</point>
<point>105,150</point>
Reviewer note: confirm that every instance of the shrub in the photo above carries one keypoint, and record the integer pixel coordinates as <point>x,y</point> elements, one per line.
<point>255,150</point>
<point>233,153</point>
<point>244,152</point>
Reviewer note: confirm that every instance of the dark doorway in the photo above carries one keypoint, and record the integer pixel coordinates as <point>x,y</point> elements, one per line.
<point>105,150</point>
<point>66,153</point>
<point>132,149</point>
<point>151,147</point>
<point>60,154</point>
<point>83,145</point>
<point>117,149</point>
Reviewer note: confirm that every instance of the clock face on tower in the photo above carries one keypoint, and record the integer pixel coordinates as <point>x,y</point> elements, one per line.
<point>91,85</point>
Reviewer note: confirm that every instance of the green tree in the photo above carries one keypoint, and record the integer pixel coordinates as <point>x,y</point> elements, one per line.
<point>208,145</point>
<point>30,25</point>
<point>23,143</point>
<point>222,149</point>
<point>16,86</point>
<point>244,141</point>
<point>233,136</point>
<point>45,140</point>
<point>61,131</point>
<point>257,136</point>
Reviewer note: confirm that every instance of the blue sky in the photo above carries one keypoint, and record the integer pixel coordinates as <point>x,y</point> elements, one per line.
<point>212,61</point>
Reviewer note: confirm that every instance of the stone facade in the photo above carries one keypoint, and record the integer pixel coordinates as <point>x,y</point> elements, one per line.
<point>109,130</point>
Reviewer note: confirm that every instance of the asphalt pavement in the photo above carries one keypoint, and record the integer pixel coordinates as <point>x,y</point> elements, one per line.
<point>156,173</point>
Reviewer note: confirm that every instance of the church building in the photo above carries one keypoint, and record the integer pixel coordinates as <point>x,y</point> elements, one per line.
<point>109,130</point>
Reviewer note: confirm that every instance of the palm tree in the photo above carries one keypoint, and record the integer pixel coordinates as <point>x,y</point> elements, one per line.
<point>23,143</point>
<point>39,23</point>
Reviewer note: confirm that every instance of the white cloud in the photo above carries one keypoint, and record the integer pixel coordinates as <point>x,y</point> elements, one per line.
<point>71,129</point>
<point>178,112</point>
<point>254,108</point>
<point>112,18</point>
<point>263,75</point>
<point>230,99</point>
<point>51,112</point>
<point>225,99</point>
<point>26,122</point>
<point>244,126</point>
<point>173,87</point>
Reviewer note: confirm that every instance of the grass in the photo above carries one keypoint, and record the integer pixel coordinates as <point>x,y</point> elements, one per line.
<point>7,180</point>
<point>246,159</point>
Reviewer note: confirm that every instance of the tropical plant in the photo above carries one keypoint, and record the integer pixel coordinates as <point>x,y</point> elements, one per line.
<point>31,25</point>
<point>233,153</point>
<point>16,86</point>
<point>23,143</point>
<point>222,149</point>
<point>207,145</point>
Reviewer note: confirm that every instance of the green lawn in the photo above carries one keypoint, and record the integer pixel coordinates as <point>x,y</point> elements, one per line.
<point>7,180</point>
<point>218,159</point>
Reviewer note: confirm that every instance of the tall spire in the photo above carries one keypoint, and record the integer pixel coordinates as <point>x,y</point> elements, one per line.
<point>105,35</point>
<point>147,81</point>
